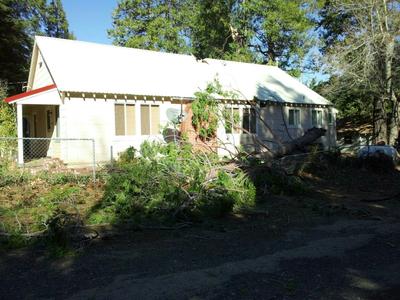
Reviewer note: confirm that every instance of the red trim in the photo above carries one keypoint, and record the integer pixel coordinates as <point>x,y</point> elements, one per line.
<point>30,93</point>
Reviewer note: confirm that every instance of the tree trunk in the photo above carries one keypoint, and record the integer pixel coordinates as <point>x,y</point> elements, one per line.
<point>391,130</point>
<point>300,143</point>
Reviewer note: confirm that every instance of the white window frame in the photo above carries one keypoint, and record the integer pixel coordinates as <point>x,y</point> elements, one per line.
<point>297,121</point>
<point>321,119</point>
<point>231,109</point>
<point>331,118</point>
<point>250,109</point>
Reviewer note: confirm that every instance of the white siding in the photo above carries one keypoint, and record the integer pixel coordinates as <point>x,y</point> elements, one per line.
<point>277,118</point>
<point>86,119</point>
<point>41,75</point>
<point>120,143</point>
<point>95,119</point>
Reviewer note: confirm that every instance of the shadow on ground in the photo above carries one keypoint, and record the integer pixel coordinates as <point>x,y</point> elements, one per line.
<point>327,244</point>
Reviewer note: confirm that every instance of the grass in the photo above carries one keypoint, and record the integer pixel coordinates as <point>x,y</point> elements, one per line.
<point>27,204</point>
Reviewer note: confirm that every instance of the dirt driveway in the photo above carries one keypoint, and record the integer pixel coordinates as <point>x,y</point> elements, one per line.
<point>346,259</point>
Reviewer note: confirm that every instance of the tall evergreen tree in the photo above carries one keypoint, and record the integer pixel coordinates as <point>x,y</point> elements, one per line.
<point>152,24</point>
<point>55,22</point>
<point>277,30</point>
<point>252,30</point>
<point>19,22</point>
<point>18,19</point>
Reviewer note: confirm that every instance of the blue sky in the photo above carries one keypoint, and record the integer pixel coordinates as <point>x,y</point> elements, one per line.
<point>90,19</point>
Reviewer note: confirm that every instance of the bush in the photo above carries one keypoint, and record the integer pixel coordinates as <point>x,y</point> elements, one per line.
<point>168,181</point>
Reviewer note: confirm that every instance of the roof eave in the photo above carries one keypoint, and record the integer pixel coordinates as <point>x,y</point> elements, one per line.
<point>18,97</point>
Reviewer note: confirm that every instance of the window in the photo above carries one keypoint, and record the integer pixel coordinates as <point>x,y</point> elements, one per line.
<point>330,118</point>
<point>125,123</point>
<point>150,119</point>
<point>294,117</point>
<point>249,120</point>
<point>316,118</point>
<point>232,120</point>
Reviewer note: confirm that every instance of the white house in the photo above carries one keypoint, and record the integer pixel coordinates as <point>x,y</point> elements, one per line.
<point>122,96</point>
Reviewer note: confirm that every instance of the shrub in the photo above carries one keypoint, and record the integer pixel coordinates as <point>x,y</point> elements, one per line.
<point>169,181</point>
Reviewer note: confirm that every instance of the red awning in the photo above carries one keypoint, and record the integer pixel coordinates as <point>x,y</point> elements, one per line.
<point>30,93</point>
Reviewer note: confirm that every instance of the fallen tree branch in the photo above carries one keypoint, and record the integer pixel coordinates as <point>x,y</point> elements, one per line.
<point>381,199</point>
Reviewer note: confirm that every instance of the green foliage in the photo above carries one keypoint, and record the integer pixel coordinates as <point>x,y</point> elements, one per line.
<point>355,103</point>
<point>149,24</point>
<point>129,155</point>
<point>19,22</point>
<point>14,41</point>
<point>251,31</point>
<point>55,21</point>
<point>213,32</point>
<point>166,182</point>
<point>57,201</point>
<point>7,128</point>
<point>8,178</point>
<point>64,178</point>
<point>271,181</point>
<point>43,206</point>
<point>361,47</point>
<point>231,119</point>
<point>277,30</point>
<point>239,188</point>
<point>206,113</point>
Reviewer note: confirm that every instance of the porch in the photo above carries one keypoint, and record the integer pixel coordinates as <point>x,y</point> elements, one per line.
<point>38,120</point>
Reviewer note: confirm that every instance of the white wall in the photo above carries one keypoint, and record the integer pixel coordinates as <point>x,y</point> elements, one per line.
<point>276,116</point>
<point>92,118</point>
<point>95,118</point>
<point>41,74</point>
<point>86,119</point>
<point>121,143</point>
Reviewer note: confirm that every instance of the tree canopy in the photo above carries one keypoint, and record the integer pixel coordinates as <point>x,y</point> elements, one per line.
<point>362,50</point>
<point>253,30</point>
<point>55,21</point>
<point>19,22</point>
<point>151,24</point>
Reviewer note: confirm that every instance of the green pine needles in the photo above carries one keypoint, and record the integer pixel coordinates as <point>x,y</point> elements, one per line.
<point>206,111</point>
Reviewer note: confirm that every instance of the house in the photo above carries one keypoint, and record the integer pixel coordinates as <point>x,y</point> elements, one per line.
<point>121,97</point>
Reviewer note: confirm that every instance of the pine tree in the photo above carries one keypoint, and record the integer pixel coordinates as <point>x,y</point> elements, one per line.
<point>15,43</point>
<point>262,31</point>
<point>151,24</point>
<point>55,21</point>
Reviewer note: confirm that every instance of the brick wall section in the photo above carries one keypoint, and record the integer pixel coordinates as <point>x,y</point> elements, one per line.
<point>189,131</point>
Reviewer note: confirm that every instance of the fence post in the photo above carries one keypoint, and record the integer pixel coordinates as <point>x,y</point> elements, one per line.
<point>94,160</point>
<point>20,140</point>
<point>111,155</point>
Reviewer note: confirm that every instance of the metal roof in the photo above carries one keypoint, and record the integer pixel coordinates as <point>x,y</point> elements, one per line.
<point>84,67</point>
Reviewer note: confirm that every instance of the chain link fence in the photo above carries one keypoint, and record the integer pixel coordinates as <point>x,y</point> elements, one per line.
<point>50,154</point>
